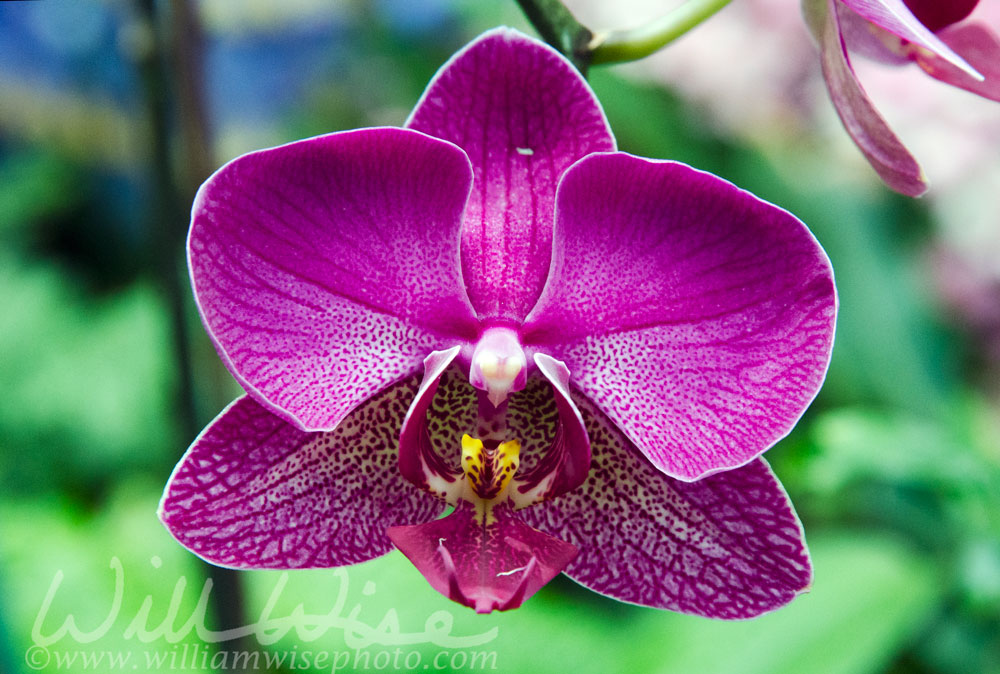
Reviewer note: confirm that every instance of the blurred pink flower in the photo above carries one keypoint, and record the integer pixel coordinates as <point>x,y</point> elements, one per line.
<point>931,34</point>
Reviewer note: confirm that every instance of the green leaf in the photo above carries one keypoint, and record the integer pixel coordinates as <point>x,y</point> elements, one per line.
<point>870,598</point>
<point>85,379</point>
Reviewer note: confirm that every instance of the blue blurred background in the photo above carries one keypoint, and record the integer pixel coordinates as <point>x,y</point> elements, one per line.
<point>106,374</point>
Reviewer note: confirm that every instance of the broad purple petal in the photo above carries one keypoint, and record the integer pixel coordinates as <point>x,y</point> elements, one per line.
<point>254,491</point>
<point>896,17</point>
<point>728,546</point>
<point>523,114</point>
<point>327,269</point>
<point>490,566</point>
<point>698,317</point>
<point>980,47</point>
<point>870,132</point>
<point>555,446</point>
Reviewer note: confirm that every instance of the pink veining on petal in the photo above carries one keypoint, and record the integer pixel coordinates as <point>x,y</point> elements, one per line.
<point>253,491</point>
<point>727,546</point>
<point>487,566</point>
<point>695,315</point>
<point>870,132</point>
<point>523,115</point>
<point>980,47</point>
<point>327,269</point>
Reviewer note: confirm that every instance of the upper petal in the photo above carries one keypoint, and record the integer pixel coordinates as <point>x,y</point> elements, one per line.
<point>870,132</point>
<point>253,491</point>
<point>728,546</point>
<point>523,114</point>
<point>980,48</point>
<point>326,269</point>
<point>896,17</point>
<point>698,317</point>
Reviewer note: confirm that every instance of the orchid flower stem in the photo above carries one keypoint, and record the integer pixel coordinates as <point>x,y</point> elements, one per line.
<point>557,26</point>
<point>618,46</point>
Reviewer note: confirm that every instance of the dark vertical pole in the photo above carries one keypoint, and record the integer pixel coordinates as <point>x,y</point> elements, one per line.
<point>171,72</point>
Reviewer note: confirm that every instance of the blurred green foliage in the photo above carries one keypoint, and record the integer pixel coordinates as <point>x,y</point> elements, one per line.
<point>895,470</point>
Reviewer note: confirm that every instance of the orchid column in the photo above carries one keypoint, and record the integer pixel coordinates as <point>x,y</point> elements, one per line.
<point>493,309</point>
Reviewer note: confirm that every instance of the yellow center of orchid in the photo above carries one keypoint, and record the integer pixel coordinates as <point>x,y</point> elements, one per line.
<point>488,471</point>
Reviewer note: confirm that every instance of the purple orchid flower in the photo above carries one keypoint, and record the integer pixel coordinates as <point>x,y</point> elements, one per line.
<point>930,33</point>
<point>531,319</point>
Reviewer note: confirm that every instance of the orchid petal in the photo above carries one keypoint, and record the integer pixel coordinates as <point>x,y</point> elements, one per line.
<point>698,317</point>
<point>523,114</point>
<point>896,17</point>
<point>419,462</point>
<point>254,491</point>
<point>870,132</point>
<point>494,564</point>
<point>326,269</point>
<point>550,429</point>
<point>980,47</point>
<point>728,546</point>
<point>862,38</point>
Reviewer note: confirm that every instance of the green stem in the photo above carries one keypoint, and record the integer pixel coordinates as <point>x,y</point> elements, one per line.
<point>557,26</point>
<point>630,45</point>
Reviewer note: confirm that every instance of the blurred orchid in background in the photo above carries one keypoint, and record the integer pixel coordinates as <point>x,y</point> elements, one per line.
<point>609,339</point>
<point>934,35</point>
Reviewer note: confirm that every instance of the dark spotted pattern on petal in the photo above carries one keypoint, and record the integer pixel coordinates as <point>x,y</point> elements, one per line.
<point>727,546</point>
<point>253,491</point>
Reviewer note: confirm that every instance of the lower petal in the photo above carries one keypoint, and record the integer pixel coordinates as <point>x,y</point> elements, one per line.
<point>491,562</point>
<point>727,546</point>
<point>254,491</point>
